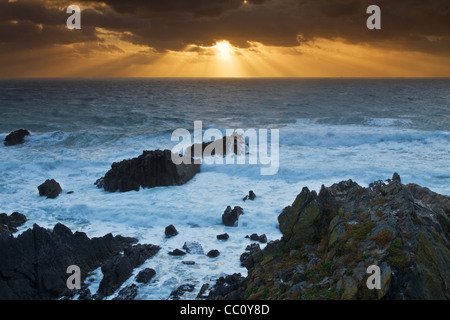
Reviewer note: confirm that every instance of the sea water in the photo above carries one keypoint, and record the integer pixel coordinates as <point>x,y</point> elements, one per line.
<point>330,130</point>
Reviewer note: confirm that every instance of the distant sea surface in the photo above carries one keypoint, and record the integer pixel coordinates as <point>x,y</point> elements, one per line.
<point>330,130</point>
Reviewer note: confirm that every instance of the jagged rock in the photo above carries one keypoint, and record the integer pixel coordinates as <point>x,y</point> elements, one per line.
<point>226,287</point>
<point>16,137</point>
<point>230,216</point>
<point>144,276</point>
<point>255,237</point>
<point>149,170</point>
<point>213,253</point>
<point>120,267</point>
<point>329,240</point>
<point>193,247</point>
<point>50,189</point>
<point>33,265</point>
<point>170,231</point>
<point>127,293</point>
<point>9,224</point>
<point>181,290</point>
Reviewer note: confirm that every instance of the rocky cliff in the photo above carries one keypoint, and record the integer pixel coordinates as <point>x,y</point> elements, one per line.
<point>331,238</point>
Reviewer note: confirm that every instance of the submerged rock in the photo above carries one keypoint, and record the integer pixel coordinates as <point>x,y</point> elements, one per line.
<point>16,137</point>
<point>331,238</point>
<point>251,196</point>
<point>149,170</point>
<point>50,189</point>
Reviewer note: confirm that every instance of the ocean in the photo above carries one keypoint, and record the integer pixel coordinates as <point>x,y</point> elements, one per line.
<point>329,130</point>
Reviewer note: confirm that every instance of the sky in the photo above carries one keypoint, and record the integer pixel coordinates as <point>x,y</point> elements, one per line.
<point>224,38</point>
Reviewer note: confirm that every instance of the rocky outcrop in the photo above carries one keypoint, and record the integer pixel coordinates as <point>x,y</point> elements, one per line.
<point>149,170</point>
<point>50,189</point>
<point>230,216</point>
<point>251,196</point>
<point>170,231</point>
<point>9,224</point>
<point>33,265</point>
<point>16,137</point>
<point>120,267</point>
<point>330,239</point>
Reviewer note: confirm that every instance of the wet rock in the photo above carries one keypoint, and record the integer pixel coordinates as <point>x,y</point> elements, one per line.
<point>50,189</point>
<point>251,196</point>
<point>120,267</point>
<point>16,137</point>
<point>144,276</point>
<point>170,231</point>
<point>226,287</point>
<point>127,293</point>
<point>230,216</point>
<point>188,262</point>
<point>33,265</point>
<point>224,236</point>
<point>177,252</point>
<point>149,170</point>
<point>213,253</point>
<point>181,290</point>
<point>9,224</point>
<point>255,237</point>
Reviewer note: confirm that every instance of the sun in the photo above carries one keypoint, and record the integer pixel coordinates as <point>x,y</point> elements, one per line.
<point>223,49</point>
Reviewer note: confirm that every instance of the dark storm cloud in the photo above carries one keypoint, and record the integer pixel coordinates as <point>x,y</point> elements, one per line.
<point>173,24</point>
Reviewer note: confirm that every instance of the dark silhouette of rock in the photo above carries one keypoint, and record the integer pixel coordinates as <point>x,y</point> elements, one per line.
<point>170,231</point>
<point>127,293</point>
<point>144,276</point>
<point>255,237</point>
<point>16,137</point>
<point>50,189</point>
<point>230,216</point>
<point>221,147</point>
<point>224,236</point>
<point>120,267</point>
<point>9,224</point>
<point>181,290</point>
<point>33,266</point>
<point>226,287</point>
<point>149,170</point>
<point>177,252</point>
<point>213,253</point>
<point>251,196</point>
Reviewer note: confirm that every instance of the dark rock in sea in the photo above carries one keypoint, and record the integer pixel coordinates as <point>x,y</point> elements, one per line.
<point>223,236</point>
<point>331,238</point>
<point>177,252</point>
<point>227,287</point>
<point>170,231</point>
<point>50,189</point>
<point>188,262</point>
<point>70,192</point>
<point>193,247</point>
<point>255,237</point>
<point>213,253</point>
<point>127,293</point>
<point>33,266</point>
<point>144,276</point>
<point>149,170</point>
<point>16,137</point>
<point>251,196</point>
<point>221,147</point>
<point>9,224</point>
<point>230,216</point>
<point>253,253</point>
<point>181,290</point>
<point>120,267</point>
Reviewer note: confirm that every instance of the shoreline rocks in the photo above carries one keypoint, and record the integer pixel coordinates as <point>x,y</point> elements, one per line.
<point>230,216</point>
<point>9,224</point>
<point>331,238</point>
